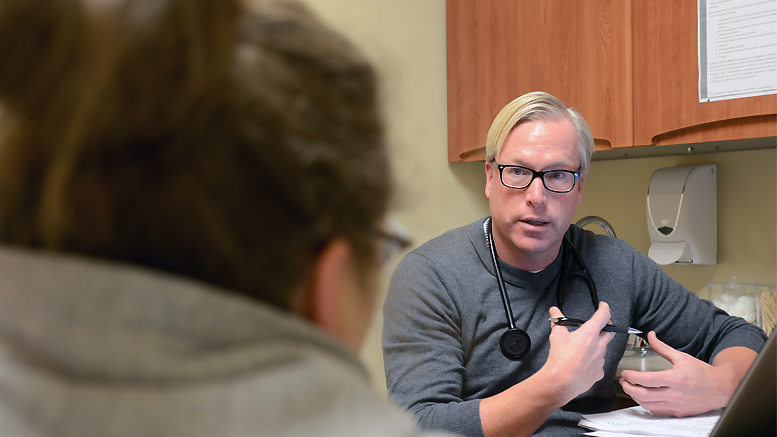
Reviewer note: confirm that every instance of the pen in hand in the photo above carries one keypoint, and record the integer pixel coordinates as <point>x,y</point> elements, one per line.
<point>566,321</point>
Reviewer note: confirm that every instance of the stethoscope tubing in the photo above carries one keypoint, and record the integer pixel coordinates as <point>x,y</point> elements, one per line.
<point>500,281</point>
<point>509,336</point>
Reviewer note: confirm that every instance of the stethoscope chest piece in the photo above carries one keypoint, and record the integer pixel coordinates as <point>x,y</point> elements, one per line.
<point>515,343</point>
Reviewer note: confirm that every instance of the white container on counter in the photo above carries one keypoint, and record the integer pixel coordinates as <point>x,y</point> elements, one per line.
<point>735,298</point>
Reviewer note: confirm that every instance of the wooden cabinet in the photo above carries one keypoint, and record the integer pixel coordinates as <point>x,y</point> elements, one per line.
<point>579,51</point>
<point>629,67</point>
<point>666,92</point>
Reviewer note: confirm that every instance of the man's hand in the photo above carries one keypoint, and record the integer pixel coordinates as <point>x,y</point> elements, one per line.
<point>691,386</point>
<point>575,363</point>
<point>578,356</point>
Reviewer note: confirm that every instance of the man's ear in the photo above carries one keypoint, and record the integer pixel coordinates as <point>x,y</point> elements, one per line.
<point>319,299</point>
<point>489,177</point>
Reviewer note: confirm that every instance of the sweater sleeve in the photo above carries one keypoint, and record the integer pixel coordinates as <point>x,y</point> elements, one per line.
<point>682,320</point>
<point>422,349</point>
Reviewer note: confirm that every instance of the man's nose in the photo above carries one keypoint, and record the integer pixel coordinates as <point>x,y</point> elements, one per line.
<point>536,192</point>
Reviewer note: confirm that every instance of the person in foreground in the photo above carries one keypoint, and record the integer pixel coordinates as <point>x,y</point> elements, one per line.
<point>444,316</point>
<point>192,194</point>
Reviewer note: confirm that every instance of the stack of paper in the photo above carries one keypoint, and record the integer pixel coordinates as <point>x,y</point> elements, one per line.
<point>636,421</point>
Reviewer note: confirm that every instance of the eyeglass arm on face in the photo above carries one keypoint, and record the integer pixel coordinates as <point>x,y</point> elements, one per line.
<point>393,243</point>
<point>574,175</point>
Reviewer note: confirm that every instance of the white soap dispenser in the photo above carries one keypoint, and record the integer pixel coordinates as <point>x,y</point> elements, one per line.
<point>682,215</point>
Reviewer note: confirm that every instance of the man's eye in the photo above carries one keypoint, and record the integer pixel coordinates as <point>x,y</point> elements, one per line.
<point>557,175</point>
<point>518,171</point>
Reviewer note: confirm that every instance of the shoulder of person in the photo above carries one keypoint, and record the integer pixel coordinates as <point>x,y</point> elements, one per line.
<point>455,238</point>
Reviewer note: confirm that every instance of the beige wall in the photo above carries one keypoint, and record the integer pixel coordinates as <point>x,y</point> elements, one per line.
<point>406,41</point>
<point>747,211</point>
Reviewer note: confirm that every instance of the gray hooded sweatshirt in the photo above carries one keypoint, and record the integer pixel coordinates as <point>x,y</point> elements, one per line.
<point>95,348</point>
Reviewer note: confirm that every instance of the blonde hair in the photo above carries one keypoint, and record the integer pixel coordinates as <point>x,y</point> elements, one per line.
<point>538,106</point>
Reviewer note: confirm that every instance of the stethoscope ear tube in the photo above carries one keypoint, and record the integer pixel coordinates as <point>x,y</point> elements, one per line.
<point>499,280</point>
<point>566,274</point>
<point>515,343</point>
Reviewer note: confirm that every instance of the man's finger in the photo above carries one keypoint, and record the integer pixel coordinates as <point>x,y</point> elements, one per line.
<point>555,313</point>
<point>645,379</point>
<point>600,317</point>
<point>664,350</point>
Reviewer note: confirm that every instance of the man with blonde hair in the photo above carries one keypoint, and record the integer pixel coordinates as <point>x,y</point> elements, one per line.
<point>467,341</point>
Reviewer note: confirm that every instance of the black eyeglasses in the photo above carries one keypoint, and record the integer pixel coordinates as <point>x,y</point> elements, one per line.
<point>557,181</point>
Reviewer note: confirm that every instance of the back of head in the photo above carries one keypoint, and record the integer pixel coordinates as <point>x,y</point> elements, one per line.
<point>538,106</point>
<point>198,137</point>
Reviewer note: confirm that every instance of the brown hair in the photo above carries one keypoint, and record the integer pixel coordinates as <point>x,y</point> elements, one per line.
<point>192,136</point>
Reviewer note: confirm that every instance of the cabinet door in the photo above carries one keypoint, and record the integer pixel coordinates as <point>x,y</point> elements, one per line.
<point>666,93</point>
<point>579,51</point>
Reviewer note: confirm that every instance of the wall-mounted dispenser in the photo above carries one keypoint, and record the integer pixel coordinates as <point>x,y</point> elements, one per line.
<point>682,215</point>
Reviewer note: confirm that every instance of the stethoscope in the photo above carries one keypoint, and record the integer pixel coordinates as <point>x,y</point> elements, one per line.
<point>515,343</point>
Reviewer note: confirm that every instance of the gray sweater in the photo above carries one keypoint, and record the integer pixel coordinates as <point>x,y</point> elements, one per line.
<point>93,348</point>
<point>444,316</point>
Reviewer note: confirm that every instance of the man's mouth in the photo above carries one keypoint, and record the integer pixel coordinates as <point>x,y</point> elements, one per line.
<point>535,222</point>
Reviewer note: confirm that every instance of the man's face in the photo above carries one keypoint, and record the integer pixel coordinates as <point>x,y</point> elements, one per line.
<point>529,223</point>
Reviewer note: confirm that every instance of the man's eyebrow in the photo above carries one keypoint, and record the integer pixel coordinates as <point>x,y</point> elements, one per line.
<point>557,165</point>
